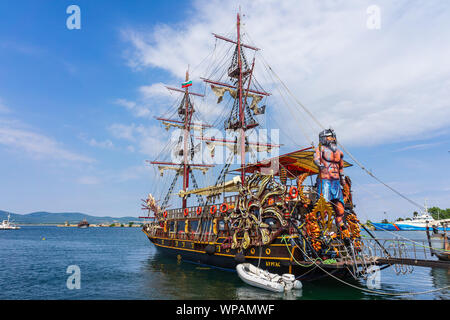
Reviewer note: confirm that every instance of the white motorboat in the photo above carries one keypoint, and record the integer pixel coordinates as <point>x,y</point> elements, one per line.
<point>7,225</point>
<point>416,223</point>
<point>260,278</point>
<point>419,222</point>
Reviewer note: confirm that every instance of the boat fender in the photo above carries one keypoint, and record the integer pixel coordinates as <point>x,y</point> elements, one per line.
<point>239,257</point>
<point>210,249</point>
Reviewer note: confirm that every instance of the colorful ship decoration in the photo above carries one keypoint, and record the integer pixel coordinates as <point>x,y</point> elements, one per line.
<point>266,215</point>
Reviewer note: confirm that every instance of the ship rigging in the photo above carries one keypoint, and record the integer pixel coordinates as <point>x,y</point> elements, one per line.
<point>265,215</point>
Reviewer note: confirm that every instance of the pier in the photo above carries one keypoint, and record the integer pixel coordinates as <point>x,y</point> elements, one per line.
<point>405,252</point>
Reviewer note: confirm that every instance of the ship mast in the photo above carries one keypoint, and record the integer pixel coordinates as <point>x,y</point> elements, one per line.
<point>241,111</point>
<point>185,167</point>
<point>187,122</point>
<point>240,71</point>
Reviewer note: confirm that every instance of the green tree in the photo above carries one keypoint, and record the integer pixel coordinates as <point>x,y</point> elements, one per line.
<point>438,213</point>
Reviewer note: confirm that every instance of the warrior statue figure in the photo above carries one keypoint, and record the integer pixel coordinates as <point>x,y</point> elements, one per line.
<point>330,180</point>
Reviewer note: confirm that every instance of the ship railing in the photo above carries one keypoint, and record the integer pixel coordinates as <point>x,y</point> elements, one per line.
<point>192,211</point>
<point>398,247</point>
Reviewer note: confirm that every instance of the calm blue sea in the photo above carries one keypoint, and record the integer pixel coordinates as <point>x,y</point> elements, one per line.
<point>120,263</point>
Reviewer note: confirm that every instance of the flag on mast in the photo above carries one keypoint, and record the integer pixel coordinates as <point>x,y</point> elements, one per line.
<point>186,84</point>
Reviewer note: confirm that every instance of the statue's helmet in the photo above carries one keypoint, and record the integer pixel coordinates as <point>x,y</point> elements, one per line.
<point>325,134</point>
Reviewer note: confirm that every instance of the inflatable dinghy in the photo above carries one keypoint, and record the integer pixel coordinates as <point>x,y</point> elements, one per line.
<point>260,278</point>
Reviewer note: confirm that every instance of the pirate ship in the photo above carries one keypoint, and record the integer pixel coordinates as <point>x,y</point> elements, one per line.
<point>266,214</point>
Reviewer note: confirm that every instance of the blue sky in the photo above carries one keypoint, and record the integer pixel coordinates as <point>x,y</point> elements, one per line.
<point>77,106</point>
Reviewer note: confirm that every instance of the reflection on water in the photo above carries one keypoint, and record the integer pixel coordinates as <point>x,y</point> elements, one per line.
<point>252,293</point>
<point>174,279</point>
<point>120,263</point>
<point>168,278</point>
<point>441,279</point>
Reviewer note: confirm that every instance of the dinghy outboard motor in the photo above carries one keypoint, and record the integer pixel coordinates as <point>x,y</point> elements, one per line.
<point>290,282</point>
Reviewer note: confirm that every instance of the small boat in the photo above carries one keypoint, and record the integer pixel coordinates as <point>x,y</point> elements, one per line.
<point>83,224</point>
<point>7,225</point>
<point>260,278</point>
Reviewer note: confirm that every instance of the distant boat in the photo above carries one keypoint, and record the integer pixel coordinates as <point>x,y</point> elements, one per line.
<point>386,226</point>
<point>83,224</point>
<point>419,223</point>
<point>7,225</point>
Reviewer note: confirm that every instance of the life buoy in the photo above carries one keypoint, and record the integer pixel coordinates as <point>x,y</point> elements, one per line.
<point>293,192</point>
<point>165,214</point>
<point>213,209</point>
<point>222,209</point>
<point>198,211</point>
<point>186,212</point>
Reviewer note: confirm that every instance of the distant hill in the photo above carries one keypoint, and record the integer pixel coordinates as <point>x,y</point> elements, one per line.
<point>61,218</point>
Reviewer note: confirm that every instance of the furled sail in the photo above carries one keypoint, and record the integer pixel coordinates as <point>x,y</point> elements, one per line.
<point>229,186</point>
<point>161,169</point>
<point>220,92</point>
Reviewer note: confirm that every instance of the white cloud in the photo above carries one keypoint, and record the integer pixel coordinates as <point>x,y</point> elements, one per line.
<point>420,146</point>
<point>123,131</point>
<point>155,90</point>
<point>16,136</point>
<point>138,110</point>
<point>107,144</point>
<point>88,180</point>
<point>3,108</point>
<point>372,86</point>
<point>148,140</point>
<point>133,173</point>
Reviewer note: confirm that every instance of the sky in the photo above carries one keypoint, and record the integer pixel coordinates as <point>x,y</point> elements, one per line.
<point>78,106</point>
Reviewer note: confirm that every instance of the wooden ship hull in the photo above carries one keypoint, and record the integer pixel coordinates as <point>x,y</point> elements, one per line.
<point>276,257</point>
<point>289,249</point>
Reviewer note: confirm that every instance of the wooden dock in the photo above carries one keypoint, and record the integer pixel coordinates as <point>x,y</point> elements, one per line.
<point>414,262</point>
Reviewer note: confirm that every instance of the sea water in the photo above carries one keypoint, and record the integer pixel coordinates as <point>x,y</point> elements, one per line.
<point>37,262</point>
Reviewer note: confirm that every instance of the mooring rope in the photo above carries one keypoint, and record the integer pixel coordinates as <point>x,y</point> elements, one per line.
<point>360,288</point>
